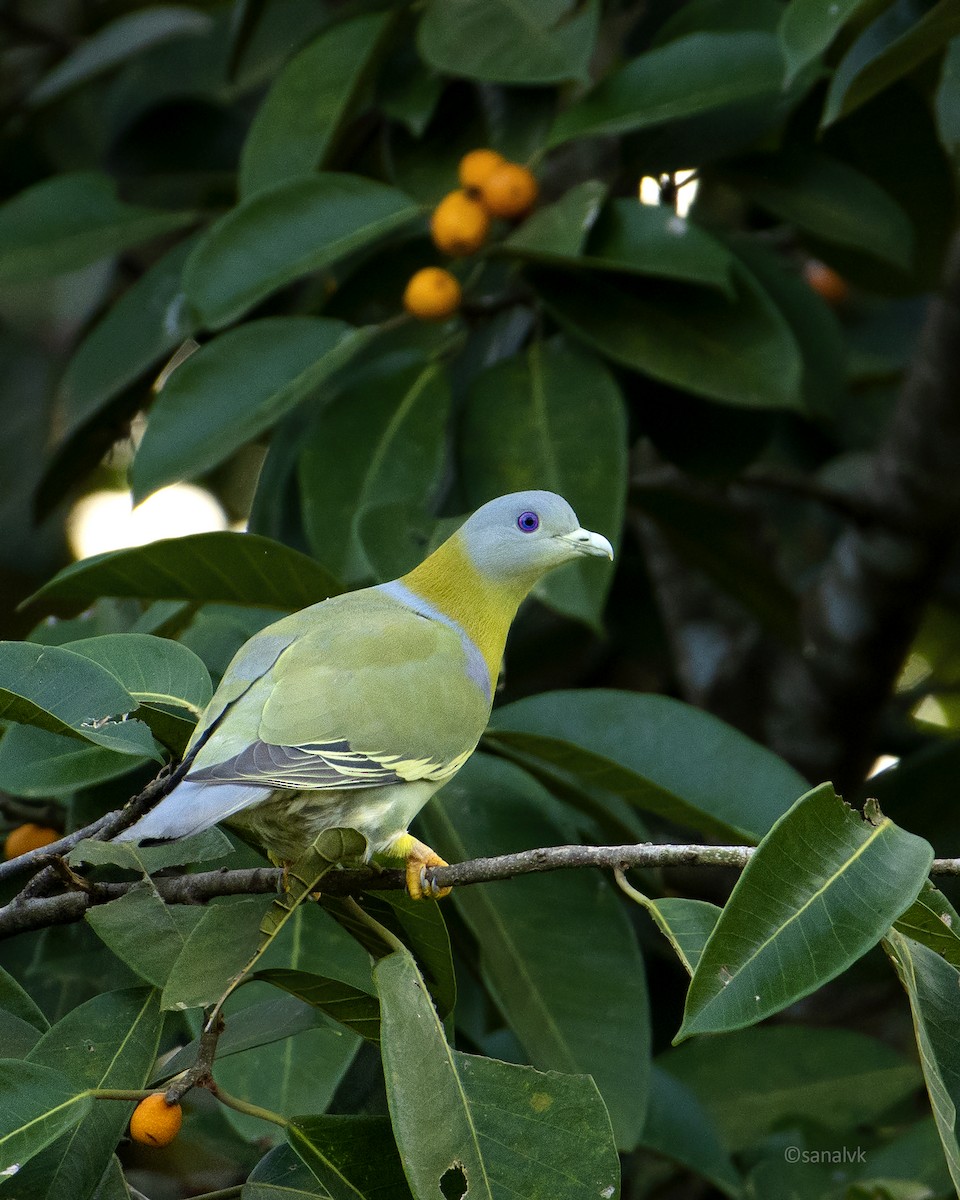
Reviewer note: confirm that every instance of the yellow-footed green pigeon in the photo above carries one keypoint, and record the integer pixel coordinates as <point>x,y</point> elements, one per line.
<point>353,712</point>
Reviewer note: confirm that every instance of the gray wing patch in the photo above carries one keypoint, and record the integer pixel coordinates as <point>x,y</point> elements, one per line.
<point>315,766</point>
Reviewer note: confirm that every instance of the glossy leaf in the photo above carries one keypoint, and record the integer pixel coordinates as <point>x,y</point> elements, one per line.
<point>678,1128</point>
<point>351,1157</point>
<point>740,352</point>
<point>281,1175</point>
<point>694,74</point>
<point>754,1081</point>
<point>150,320</point>
<point>822,888</point>
<point>685,923</point>
<point>661,755</point>
<point>195,848</point>
<point>567,433</point>
<point>234,388</point>
<point>14,999</point>
<point>109,1042</point>
<point>934,922</point>
<point>826,197</point>
<point>69,221</point>
<point>509,41</point>
<point>113,43</point>
<point>258,1024</point>
<point>370,468</point>
<point>37,1105</point>
<point>808,27</point>
<point>295,126</point>
<point>525,930</point>
<point>35,763</point>
<point>895,42</point>
<point>507,1128</point>
<point>284,233</point>
<point>66,693</point>
<point>215,952</point>
<point>342,1002</point>
<point>624,236</point>
<point>143,932</point>
<point>227,568</point>
<point>932,985</point>
<point>154,670</point>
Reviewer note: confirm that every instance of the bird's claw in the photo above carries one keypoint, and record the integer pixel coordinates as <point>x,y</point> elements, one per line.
<point>418,858</point>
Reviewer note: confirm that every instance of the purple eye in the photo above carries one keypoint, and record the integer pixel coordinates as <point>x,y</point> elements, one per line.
<point>527,522</point>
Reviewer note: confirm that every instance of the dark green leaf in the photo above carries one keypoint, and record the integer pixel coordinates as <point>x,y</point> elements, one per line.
<point>895,42</point>
<point>567,432</point>
<point>15,1000</point>
<point>823,887</point>
<point>685,923</point>
<point>296,124</point>
<point>18,1037</point>
<point>370,469</point>
<point>757,1080</point>
<point>827,198</point>
<point>422,929</point>
<point>815,329</point>
<point>154,670</point>
<point>932,985</point>
<point>691,75</point>
<point>661,755</point>
<point>342,1002</point>
<point>281,234</point>
<point>65,693</point>
<point>809,26</point>
<point>143,932</point>
<point>36,763</point>
<point>229,568</point>
<point>197,848</point>
<point>510,41</point>
<point>934,922</point>
<point>280,1175</point>
<point>215,952</point>
<point>37,1105</point>
<point>115,42</point>
<point>234,388</point>
<point>350,1156</point>
<point>740,352</point>
<point>149,320</point>
<point>109,1042</point>
<point>69,221</point>
<point>540,937</point>
<point>509,1129</point>
<point>625,236</point>
<point>253,1025</point>
<point>678,1128</point>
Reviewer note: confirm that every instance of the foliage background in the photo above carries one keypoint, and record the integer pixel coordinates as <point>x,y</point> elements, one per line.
<point>776,468</point>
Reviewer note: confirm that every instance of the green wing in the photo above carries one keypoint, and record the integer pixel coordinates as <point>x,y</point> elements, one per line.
<point>360,691</point>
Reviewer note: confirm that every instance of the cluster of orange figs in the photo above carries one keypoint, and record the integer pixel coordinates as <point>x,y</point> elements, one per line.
<point>491,187</point>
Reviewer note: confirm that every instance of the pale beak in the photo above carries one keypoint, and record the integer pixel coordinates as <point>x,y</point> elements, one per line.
<point>586,542</point>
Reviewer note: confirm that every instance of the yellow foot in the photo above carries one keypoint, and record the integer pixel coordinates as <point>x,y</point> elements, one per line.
<point>418,857</point>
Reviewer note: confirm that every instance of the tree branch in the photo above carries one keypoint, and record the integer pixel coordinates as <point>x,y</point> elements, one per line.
<point>863,612</point>
<point>23,915</point>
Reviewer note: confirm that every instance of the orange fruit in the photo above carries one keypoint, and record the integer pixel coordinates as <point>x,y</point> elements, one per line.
<point>509,191</point>
<point>459,224</point>
<point>432,294</point>
<point>826,282</point>
<point>28,837</point>
<point>155,1122</point>
<point>476,166</point>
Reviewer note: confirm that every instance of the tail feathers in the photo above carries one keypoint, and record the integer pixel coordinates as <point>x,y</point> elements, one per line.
<point>192,807</point>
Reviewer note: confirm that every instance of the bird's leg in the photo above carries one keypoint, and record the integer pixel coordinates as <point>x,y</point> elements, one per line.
<point>417,857</point>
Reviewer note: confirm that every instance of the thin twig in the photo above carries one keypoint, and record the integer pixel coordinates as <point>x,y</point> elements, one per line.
<point>21,916</point>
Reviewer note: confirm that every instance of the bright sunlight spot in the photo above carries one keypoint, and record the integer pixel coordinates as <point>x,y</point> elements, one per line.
<point>882,763</point>
<point>686,184</point>
<point>931,712</point>
<point>107,520</point>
